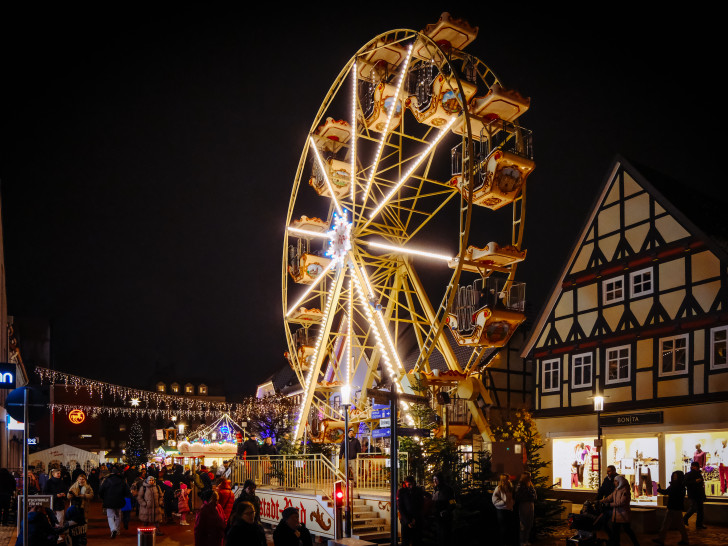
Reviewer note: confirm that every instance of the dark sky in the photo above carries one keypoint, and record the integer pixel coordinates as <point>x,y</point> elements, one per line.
<point>147,159</point>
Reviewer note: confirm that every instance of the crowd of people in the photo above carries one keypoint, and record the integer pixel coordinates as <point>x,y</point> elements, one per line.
<point>158,495</point>
<point>614,497</point>
<point>514,506</point>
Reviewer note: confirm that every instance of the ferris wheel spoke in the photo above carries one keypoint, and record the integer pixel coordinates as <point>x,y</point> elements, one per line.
<point>375,164</point>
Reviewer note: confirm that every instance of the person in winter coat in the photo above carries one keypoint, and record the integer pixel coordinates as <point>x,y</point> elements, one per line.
<point>93,480</point>
<point>58,490</point>
<point>696,495</point>
<point>290,531</point>
<point>169,502</point>
<point>209,524</point>
<point>77,524</point>
<point>268,448</point>
<point>77,472</point>
<point>41,530</point>
<point>503,503</point>
<point>183,503</point>
<point>675,502</point>
<point>242,529</point>
<point>525,497</point>
<point>150,503</point>
<point>410,505</point>
<point>443,498</point>
<point>619,500</point>
<point>82,491</point>
<point>250,447</point>
<point>113,494</point>
<point>226,498</point>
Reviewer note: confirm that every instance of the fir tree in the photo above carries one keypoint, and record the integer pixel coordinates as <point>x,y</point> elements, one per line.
<point>136,452</point>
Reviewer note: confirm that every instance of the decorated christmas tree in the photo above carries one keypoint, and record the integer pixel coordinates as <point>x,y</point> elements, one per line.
<point>136,452</point>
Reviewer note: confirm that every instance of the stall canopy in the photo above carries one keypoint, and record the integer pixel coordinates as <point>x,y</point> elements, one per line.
<point>64,455</point>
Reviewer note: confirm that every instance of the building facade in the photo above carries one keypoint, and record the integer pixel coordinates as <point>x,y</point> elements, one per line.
<point>639,316</point>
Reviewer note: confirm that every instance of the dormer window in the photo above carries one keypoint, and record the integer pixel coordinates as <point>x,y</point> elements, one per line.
<point>174,388</point>
<point>189,388</point>
<point>202,389</point>
<point>161,387</point>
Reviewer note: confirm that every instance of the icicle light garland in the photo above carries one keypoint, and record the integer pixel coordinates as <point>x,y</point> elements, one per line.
<point>157,405</point>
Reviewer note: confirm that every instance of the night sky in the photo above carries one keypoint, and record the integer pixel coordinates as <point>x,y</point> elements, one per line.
<point>147,159</point>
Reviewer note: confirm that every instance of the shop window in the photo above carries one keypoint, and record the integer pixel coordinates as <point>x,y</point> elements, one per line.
<point>613,290</point>
<point>581,370</point>
<point>618,364</point>
<point>550,375</point>
<point>709,446</point>
<point>674,355</point>
<point>641,282</point>
<point>718,346</point>
<point>637,459</point>
<point>574,464</point>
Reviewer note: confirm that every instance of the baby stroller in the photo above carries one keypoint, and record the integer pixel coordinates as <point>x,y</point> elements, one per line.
<point>586,524</point>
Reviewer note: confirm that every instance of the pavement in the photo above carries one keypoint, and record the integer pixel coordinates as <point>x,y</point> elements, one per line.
<point>175,534</point>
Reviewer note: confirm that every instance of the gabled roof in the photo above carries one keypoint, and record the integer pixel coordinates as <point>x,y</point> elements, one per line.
<point>700,214</point>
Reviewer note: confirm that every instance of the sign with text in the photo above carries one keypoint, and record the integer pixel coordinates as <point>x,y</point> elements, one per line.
<point>381,414</point>
<point>311,511</point>
<point>33,501</point>
<point>381,433</point>
<point>7,375</point>
<point>629,419</point>
<point>384,423</point>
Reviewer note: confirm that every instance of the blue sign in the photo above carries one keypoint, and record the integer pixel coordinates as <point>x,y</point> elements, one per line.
<point>380,406</point>
<point>7,375</point>
<point>381,414</point>
<point>381,433</point>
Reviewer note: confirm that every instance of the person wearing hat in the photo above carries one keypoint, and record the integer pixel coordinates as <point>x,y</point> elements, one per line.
<point>619,500</point>
<point>290,531</point>
<point>150,503</point>
<point>410,506</point>
<point>113,493</point>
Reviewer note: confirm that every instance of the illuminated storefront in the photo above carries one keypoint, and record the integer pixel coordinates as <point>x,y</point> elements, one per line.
<point>644,447</point>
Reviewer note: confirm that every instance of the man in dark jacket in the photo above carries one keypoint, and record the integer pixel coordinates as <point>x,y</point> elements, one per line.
<point>290,531</point>
<point>114,492</point>
<point>608,484</point>
<point>57,489</point>
<point>696,495</point>
<point>76,473</point>
<point>248,495</point>
<point>354,450</point>
<point>268,448</point>
<point>250,447</point>
<point>410,505</point>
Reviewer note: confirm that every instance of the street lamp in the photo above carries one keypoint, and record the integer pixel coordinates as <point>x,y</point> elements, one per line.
<point>599,408</point>
<point>346,402</point>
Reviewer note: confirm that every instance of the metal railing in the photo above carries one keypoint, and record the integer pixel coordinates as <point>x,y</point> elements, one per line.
<point>313,473</point>
<point>373,470</point>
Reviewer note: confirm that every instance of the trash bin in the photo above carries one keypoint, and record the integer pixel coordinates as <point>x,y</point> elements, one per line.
<point>145,536</point>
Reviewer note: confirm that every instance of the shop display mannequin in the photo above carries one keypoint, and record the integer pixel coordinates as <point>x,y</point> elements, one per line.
<point>700,457</point>
<point>722,455</point>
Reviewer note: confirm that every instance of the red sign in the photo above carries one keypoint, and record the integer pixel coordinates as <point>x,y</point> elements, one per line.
<point>77,416</point>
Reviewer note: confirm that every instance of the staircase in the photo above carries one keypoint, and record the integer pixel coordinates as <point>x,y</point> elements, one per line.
<point>368,524</point>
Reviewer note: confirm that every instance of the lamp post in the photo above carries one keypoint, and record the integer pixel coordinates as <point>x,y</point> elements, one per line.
<point>346,402</point>
<point>599,408</point>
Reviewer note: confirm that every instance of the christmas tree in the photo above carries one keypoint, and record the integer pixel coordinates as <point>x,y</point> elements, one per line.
<point>136,451</point>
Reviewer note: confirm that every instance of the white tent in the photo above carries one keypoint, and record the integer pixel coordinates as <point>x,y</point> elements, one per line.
<point>66,455</point>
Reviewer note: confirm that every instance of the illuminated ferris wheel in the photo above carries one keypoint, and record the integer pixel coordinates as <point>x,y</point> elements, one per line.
<point>413,153</point>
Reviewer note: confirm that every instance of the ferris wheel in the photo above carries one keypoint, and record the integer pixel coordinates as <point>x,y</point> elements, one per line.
<point>413,153</point>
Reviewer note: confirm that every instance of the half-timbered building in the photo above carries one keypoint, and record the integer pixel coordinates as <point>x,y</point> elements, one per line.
<point>639,315</point>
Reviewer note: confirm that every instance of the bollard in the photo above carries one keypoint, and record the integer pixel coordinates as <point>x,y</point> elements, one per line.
<point>145,536</point>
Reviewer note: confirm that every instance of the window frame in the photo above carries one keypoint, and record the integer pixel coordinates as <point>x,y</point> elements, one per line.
<point>606,290</point>
<point>555,385</point>
<point>582,385</point>
<point>618,380</point>
<point>661,352</point>
<point>632,276</point>
<point>713,331</point>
